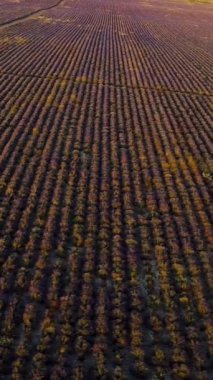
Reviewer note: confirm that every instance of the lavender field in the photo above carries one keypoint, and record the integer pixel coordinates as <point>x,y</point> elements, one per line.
<point>106,174</point>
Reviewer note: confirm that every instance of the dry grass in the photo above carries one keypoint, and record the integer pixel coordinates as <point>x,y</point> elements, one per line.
<point>201,1</point>
<point>19,40</point>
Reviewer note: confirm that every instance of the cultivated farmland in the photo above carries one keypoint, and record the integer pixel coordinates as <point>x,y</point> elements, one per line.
<point>105,190</point>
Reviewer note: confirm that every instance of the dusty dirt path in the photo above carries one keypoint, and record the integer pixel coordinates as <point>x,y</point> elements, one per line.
<point>28,15</point>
